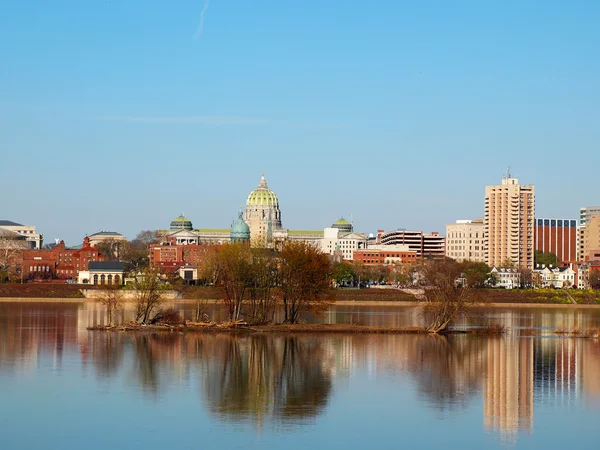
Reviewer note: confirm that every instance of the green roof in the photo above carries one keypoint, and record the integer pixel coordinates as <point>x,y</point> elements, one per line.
<point>213,230</point>
<point>262,197</point>
<point>310,232</point>
<point>181,219</point>
<point>342,221</point>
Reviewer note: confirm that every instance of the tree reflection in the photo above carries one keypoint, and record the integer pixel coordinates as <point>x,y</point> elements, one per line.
<point>258,377</point>
<point>149,349</point>
<point>448,370</point>
<point>107,352</point>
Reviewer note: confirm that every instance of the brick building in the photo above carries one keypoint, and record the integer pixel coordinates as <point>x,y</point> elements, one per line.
<point>558,236</point>
<point>385,254</point>
<point>170,257</point>
<point>60,262</point>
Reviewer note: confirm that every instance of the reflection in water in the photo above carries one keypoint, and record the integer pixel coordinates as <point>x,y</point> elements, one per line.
<point>508,395</point>
<point>267,378</point>
<point>259,377</point>
<point>447,369</point>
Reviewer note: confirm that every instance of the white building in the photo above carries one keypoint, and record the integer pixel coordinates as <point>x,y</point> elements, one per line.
<point>506,278</point>
<point>34,239</point>
<point>347,243</point>
<point>556,277</point>
<point>464,240</point>
<point>102,272</point>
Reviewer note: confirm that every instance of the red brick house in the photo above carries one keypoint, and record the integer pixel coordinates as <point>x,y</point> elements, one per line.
<point>60,262</point>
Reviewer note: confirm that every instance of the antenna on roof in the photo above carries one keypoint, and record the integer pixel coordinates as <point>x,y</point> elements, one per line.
<point>507,176</point>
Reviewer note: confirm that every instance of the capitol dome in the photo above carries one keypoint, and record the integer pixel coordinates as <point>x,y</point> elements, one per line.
<point>262,213</point>
<point>181,223</point>
<point>262,195</point>
<point>343,225</point>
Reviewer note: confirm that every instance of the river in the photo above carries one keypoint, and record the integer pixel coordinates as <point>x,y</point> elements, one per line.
<point>64,387</point>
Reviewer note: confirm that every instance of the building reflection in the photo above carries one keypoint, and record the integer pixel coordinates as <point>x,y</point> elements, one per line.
<point>289,379</point>
<point>508,392</point>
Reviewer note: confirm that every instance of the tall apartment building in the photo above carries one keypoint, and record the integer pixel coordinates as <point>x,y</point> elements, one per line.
<point>558,236</point>
<point>464,240</point>
<point>585,214</point>
<point>426,245</point>
<point>509,223</point>
<point>590,238</point>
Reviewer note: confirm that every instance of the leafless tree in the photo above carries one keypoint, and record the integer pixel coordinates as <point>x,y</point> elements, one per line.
<point>230,265</point>
<point>263,278</point>
<point>11,246</point>
<point>304,279</point>
<point>147,292</point>
<point>445,298</point>
<point>111,298</point>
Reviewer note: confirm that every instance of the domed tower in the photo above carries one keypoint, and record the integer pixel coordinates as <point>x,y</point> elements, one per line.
<point>240,231</point>
<point>343,225</point>
<point>262,212</point>
<point>181,223</point>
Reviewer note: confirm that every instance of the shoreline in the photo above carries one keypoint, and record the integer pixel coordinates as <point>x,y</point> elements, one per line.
<point>378,303</point>
<point>214,328</point>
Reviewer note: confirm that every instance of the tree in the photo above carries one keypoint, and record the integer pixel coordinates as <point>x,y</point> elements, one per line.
<point>147,238</point>
<point>111,297</point>
<point>545,259</point>
<point>445,298</point>
<point>147,294</point>
<point>263,278</point>
<point>343,273</point>
<point>475,273</point>
<point>305,276</point>
<point>11,246</point>
<point>110,248</point>
<point>594,279</point>
<point>231,266</point>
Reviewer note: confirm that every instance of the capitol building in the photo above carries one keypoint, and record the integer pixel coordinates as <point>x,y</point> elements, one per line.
<point>259,223</point>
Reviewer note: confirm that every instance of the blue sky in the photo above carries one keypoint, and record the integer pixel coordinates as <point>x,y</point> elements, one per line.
<point>119,115</point>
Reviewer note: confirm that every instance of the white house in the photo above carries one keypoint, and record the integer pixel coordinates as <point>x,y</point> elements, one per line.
<point>557,277</point>
<point>102,272</point>
<point>506,278</point>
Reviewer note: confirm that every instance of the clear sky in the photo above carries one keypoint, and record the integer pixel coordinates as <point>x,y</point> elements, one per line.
<point>119,115</point>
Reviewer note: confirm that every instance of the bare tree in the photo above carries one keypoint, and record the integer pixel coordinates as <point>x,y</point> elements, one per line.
<point>445,297</point>
<point>11,246</point>
<point>147,292</point>
<point>263,278</point>
<point>304,278</point>
<point>230,266</point>
<point>111,297</point>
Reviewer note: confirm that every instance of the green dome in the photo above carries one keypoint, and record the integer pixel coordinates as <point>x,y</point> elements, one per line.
<point>342,221</point>
<point>240,231</point>
<point>262,195</point>
<point>181,223</point>
<point>343,225</point>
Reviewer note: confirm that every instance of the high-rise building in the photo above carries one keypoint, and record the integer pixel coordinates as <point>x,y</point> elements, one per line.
<point>509,223</point>
<point>558,236</point>
<point>589,238</point>
<point>464,240</point>
<point>585,214</point>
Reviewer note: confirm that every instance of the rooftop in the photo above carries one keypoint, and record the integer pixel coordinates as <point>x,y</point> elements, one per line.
<point>8,223</point>
<point>105,265</point>
<point>106,233</point>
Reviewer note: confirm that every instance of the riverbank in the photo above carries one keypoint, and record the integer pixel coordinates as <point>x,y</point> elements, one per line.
<point>40,292</point>
<point>212,327</point>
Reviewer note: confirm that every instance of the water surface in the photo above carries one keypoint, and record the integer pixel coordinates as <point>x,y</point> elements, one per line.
<point>64,387</point>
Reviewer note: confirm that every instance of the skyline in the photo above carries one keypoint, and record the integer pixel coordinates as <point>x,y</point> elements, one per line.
<point>121,116</point>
